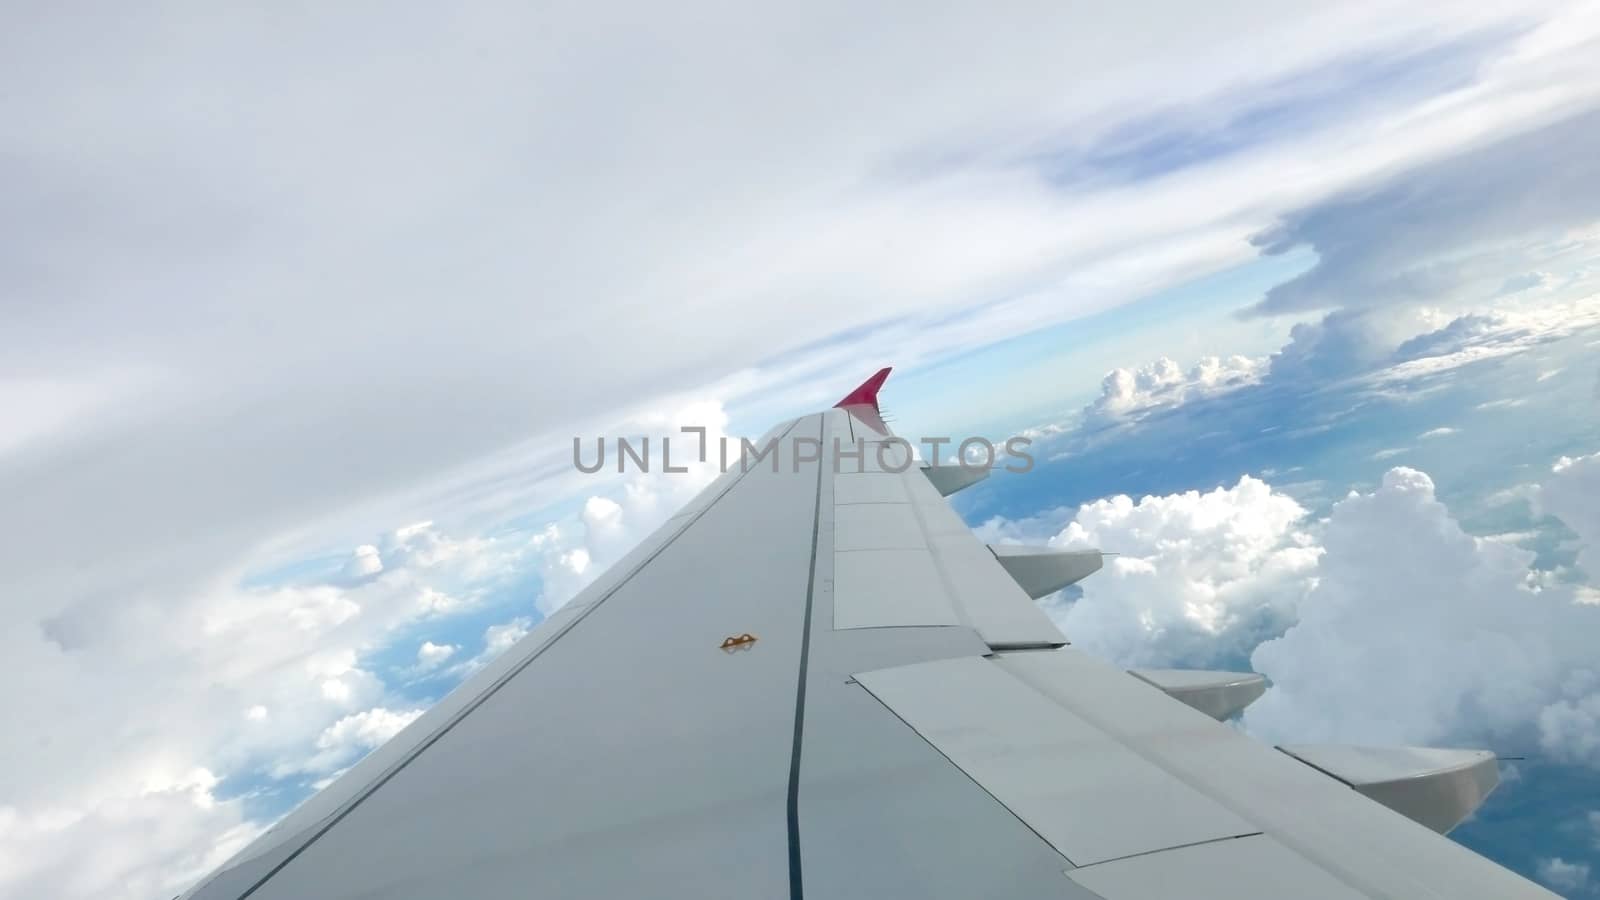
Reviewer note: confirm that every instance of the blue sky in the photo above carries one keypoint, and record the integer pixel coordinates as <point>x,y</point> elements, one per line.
<point>288,381</point>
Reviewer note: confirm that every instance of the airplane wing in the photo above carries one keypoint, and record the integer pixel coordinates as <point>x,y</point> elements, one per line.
<point>819,683</point>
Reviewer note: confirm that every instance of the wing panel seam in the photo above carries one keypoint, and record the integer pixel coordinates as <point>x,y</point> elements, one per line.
<point>792,809</point>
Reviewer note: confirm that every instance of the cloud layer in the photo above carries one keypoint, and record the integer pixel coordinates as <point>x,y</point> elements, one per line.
<point>1384,624</point>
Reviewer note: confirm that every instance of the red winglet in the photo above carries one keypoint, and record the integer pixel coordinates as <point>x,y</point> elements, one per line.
<point>867,393</point>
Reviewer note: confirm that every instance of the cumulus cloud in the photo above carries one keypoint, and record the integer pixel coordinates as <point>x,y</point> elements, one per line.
<point>498,638</point>
<point>431,655</point>
<point>346,740</point>
<point>1393,352</point>
<point>364,562</point>
<point>1199,576</point>
<point>1417,632</point>
<point>1571,493</point>
<point>1386,623</point>
<point>1342,342</point>
<point>1569,729</point>
<point>1563,875</point>
<point>1131,393</point>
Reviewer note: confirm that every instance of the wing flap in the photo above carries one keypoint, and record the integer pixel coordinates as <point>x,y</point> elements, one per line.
<point>1255,867</point>
<point>1074,785</point>
<point>1378,852</point>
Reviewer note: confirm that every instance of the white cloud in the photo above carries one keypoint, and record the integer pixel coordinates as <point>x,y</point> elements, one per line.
<point>365,561</point>
<point>1571,493</point>
<point>1477,337</point>
<point>1390,453</point>
<point>1386,623</point>
<point>148,841</point>
<point>365,730</point>
<point>1569,729</point>
<point>1131,393</point>
<point>337,691</point>
<point>497,639</point>
<point>1563,875</point>
<point>1502,403</point>
<point>1417,632</point>
<point>1513,537</point>
<point>246,682</point>
<point>431,655</point>
<point>351,737</point>
<point>1199,576</point>
<point>1444,431</point>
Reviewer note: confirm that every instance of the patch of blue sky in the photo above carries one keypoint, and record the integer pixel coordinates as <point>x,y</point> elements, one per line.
<point>263,798</point>
<point>319,569</point>
<point>566,509</point>
<point>1319,98</point>
<point>396,663</point>
<point>1039,376</point>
